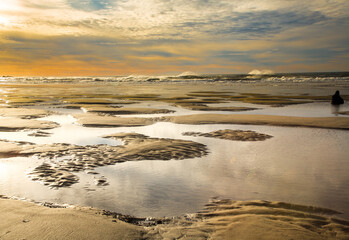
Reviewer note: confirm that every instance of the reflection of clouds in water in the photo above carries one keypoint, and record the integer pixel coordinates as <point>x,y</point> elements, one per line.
<point>3,169</point>
<point>298,165</point>
<point>67,132</point>
<point>278,167</point>
<point>72,133</point>
<point>167,188</point>
<point>143,189</point>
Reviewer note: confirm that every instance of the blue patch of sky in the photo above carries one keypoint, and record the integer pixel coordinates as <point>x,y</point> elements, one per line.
<point>163,41</point>
<point>234,56</point>
<point>189,63</point>
<point>252,24</point>
<point>311,56</point>
<point>91,5</point>
<point>157,53</point>
<point>299,56</point>
<point>306,56</point>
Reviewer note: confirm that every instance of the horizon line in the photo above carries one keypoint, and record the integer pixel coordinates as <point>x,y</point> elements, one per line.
<point>176,75</point>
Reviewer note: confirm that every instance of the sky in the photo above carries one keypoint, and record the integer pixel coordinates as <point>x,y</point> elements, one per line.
<point>159,37</point>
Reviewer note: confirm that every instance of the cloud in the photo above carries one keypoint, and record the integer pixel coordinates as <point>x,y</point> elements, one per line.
<point>155,19</point>
<point>263,24</point>
<point>156,35</point>
<point>25,5</point>
<point>91,5</point>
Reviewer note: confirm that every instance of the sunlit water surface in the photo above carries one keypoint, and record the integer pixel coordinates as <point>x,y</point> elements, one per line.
<point>299,165</point>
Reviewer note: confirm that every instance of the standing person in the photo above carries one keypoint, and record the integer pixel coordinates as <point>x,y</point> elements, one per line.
<point>337,99</point>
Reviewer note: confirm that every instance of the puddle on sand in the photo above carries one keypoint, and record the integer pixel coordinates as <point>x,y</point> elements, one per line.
<point>316,109</point>
<point>68,132</point>
<point>298,165</point>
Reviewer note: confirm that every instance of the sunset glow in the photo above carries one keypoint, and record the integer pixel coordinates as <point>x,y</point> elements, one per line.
<point>120,37</point>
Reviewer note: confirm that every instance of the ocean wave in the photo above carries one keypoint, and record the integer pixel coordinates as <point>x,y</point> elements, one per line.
<point>184,77</point>
<point>261,72</point>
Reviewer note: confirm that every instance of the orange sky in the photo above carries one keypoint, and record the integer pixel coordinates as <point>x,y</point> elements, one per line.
<point>154,37</point>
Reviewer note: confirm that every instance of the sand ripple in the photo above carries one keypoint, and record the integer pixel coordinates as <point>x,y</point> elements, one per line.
<point>66,159</point>
<point>235,135</point>
<point>228,219</point>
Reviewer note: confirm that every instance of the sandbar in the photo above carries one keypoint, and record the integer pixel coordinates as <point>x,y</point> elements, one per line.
<point>257,98</point>
<point>136,147</point>
<point>24,113</point>
<point>317,122</point>
<point>40,134</point>
<point>204,107</point>
<point>234,135</point>
<point>11,149</point>
<point>15,124</point>
<point>23,101</point>
<point>88,101</point>
<point>123,110</point>
<point>94,120</point>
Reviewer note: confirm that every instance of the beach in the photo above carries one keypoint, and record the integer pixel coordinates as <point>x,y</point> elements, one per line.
<point>128,119</point>
<point>173,160</point>
<point>224,219</point>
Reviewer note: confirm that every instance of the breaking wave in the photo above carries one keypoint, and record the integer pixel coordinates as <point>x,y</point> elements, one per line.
<point>254,76</point>
<point>261,72</point>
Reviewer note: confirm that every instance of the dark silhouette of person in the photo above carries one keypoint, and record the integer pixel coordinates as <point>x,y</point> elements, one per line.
<point>337,99</point>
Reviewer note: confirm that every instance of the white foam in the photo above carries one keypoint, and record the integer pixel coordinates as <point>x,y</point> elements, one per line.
<point>187,73</point>
<point>261,72</point>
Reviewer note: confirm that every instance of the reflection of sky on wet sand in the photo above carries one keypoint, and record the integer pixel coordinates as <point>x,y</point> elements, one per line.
<point>68,132</point>
<point>316,109</point>
<point>299,165</point>
<point>275,169</point>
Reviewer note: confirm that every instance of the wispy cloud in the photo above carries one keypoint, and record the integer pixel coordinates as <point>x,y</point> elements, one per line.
<point>91,5</point>
<point>225,35</point>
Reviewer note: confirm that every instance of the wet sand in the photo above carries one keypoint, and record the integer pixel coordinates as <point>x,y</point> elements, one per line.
<point>317,122</point>
<point>94,120</point>
<point>16,124</point>
<point>24,220</point>
<point>60,173</point>
<point>24,113</point>
<point>227,219</point>
<point>124,110</point>
<point>221,219</point>
<point>234,135</point>
<point>344,113</point>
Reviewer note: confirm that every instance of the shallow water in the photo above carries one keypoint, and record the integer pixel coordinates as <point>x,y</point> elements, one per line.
<point>316,109</point>
<point>299,165</point>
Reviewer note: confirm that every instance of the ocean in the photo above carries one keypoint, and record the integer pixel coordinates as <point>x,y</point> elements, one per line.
<point>311,77</point>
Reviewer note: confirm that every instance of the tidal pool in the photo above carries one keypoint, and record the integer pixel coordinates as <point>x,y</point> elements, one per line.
<point>299,165</point>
